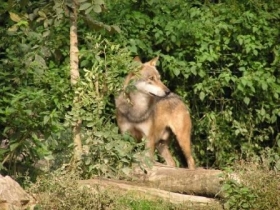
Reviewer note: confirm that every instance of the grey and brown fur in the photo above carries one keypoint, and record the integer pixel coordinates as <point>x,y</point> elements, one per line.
<point>151,111</point>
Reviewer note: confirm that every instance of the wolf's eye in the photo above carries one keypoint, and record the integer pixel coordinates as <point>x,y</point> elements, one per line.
<point>152,78</point>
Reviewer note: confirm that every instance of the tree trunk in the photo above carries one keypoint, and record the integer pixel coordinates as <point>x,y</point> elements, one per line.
<point>143,192</point>
<point>74,72</point>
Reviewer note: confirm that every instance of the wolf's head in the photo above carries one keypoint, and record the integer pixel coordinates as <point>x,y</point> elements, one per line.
<point>148,80</point>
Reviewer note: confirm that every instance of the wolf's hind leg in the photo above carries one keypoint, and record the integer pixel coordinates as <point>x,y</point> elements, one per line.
<point>184,140</point>
<point>183,136</point>
<point>163,150</point>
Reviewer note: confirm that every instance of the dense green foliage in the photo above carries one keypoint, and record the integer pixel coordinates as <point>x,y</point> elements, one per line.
<point>33,87</point>
<point>221,58</point>
<point>250,192</point>
<point>104,65</point>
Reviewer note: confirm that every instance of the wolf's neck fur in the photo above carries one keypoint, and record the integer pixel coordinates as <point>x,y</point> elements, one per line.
<point>136,107</point>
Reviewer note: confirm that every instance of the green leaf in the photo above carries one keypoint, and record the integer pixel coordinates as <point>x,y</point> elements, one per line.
<point>264,85</point>
<point>226,187</point>
<point>34,136</point>
<point>88,10</point>
<point>13,146</point>
<point>173,38</point>
<point>278,141</point>
<point>97,8</point>
<point>277,165</point>
<point>42,14</point>
<point>14,17</point>
<point>201,73</point>
<point>109,146</point>
<point>246,100</point>
<point>46,119</point>
<point>88,161</point>
<point>201,96</point>
<point>126,171</point>
<point>176,71</point>
<point>90,124</point>
<point>3,151</point>
<point>262,112</point>
<point>245,205</point>
<point>193,70</point>
<point>244,82</point>
<point>85,6</point>
<point>116,28</point>
<point>84,63</point>
<point>99,2</point>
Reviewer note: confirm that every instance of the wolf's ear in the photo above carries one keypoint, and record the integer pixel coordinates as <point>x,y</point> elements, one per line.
<point>137,58</point>
<point>153,62</point>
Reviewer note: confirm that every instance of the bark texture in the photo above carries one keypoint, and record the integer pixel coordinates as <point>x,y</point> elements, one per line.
<point>74,72</point>
<point>198,182</point>
<point>74,51</point>
<point>176,185</point>
<point>143,192</point>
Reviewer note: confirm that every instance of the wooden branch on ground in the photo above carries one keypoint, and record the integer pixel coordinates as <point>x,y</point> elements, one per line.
<point>121,187</point>
<point>176,185</point>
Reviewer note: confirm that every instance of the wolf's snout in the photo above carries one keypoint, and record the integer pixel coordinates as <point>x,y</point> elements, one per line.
<point>167,92</point>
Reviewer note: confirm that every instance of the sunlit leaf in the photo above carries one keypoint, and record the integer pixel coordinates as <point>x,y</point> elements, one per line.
<point>99,2</point>
<point>14,17</point>
<point>85,6</point>
<point>116,28</point>
<point>42,14</point>
<point>14,146</point>
<point>246,100</point>
<point>201,96</point>
<point>97,8</point>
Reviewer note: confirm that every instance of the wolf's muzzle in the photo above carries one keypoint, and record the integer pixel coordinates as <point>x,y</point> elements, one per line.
<point>167,92</point>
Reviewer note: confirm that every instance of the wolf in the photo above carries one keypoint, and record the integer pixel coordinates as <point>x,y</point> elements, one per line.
<point>150,110</point>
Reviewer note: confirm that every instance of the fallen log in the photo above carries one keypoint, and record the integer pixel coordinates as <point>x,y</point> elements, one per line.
<point>176,185</point>
<point>121,187</point>
<point>204,182</point>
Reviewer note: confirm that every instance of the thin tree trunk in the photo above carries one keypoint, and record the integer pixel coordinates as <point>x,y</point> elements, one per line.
<point>74,72</point>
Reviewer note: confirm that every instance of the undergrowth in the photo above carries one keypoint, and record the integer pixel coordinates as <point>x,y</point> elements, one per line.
<point>257,187</point>
<point>60,190</point>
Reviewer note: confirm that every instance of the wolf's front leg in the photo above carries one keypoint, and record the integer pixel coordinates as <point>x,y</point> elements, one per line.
<point>150,146</point>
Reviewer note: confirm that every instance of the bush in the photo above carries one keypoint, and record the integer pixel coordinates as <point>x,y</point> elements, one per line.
<point>258,188</point>
<point>35,92</point>
<point>105,65</point>
<point>223,58</point>
<point>61,191</point>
